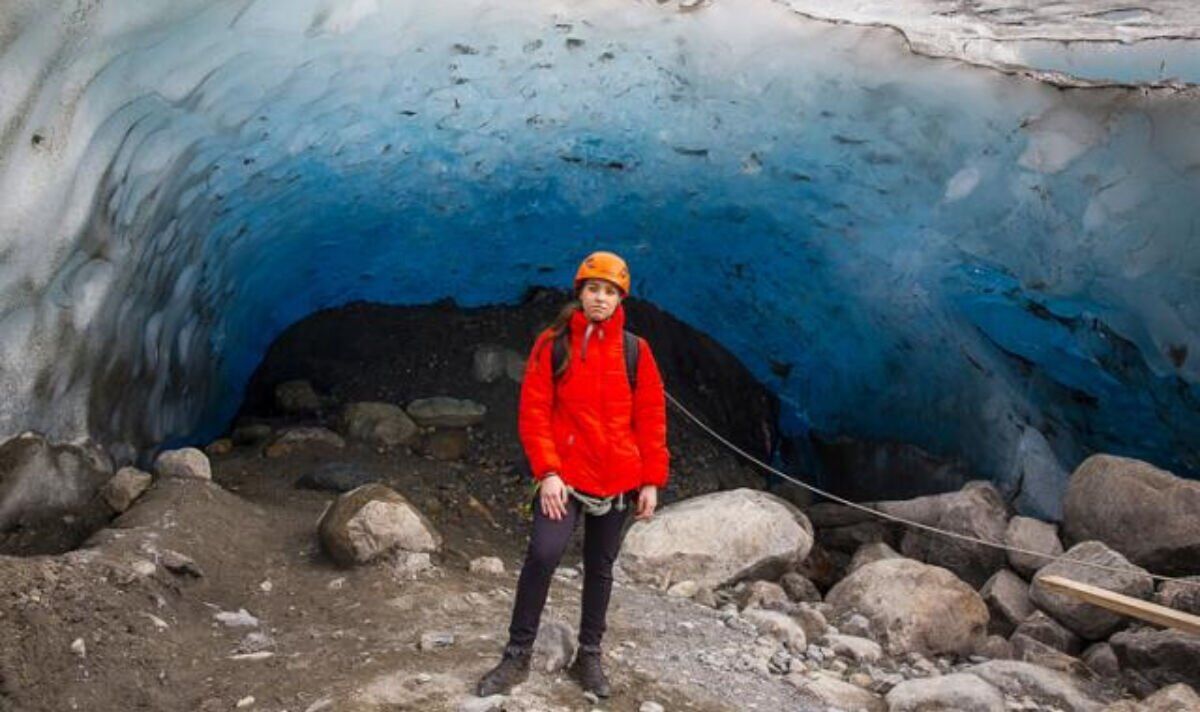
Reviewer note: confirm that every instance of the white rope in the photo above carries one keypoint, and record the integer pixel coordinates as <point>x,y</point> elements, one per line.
<point>908,522</point>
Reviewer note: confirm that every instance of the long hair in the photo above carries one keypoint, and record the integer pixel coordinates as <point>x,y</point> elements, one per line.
<point>558,327</point>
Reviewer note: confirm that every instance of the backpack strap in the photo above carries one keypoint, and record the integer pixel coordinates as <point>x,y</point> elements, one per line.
<point>562,342</point>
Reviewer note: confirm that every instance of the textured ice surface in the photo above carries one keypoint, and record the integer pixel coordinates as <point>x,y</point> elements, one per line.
<point>902,247</point>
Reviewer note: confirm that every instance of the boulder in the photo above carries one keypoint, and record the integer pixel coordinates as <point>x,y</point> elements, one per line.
<point>1007,597</point>
<point>446,444</point>
<point>828,691</point>
<point>811,620</point>
<point>297,398</point>
<point>1173,698</point>
<point>1149,515</point>
<point>860,650</point>
<point>1033,535</point>
<point>718,538</point>
<point>1045,686</point>
<point>302,439</point>
<point>125,487</point>
<point>1035,651</point>
<point>958,692</point>
<point>763,594</point>
<point>870,553</point>
<point>913,607</point>
<point>1088,621</point>
<point>976,510</point>
<point>779,626</point>
<point>1151,659</point>
<point>1042,627</point>
<point>995,648</point>
<point>1182,595</point>
<point>799,589</point>
<point>336,477</point>
<point>1102,661</point>
<point>444,412</point>
<point>185,462</point>
<point>377,423</point>
<point>366,523</point>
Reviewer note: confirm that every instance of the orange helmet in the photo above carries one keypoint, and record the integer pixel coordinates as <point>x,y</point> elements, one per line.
<point>604,265</point>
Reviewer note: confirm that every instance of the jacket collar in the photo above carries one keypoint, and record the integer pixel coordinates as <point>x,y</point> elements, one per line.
<point>616,322</point>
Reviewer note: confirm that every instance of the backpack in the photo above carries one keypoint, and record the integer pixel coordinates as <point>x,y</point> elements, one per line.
<point>558,355</point>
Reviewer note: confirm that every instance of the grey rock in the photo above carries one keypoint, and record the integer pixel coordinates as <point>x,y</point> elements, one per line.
<point>779,626</point>
<point>715,539</point>
<point>1047,687</point>
<point>811,620</point>
<point>995,648</point>
<point>371,521</point>
<point>860,650</point>
<point>376,423</point>
<point>763,594</point>
<point>913,607</point>
<point>1035,651</point>
<point>302,439</point>
<point>487,363</point>
<point>1045,629</point>
<point>1007,599</point>
<point>554,647</point>
<point>870,553</point>
<point>435,639</point>
<point>959,692</point>
<point>827,690</point>
<point>1102,661</point>
<point>1149,515</point>
<point>1182,595</point>
<point>125,487</point>
<point>490,565</point>
<point>1033,535</point>
<point>336,477</point>
<point>799,589</point>
<point>180,564</point>
<point>185,462</point>
<point>1151,659</point>
<point>1090,622</point>
<point>1173,698</point>
<point>444,412</point>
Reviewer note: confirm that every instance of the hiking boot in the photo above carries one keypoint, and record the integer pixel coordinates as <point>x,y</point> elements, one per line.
<point>586,670</point>
<point>512,670</point>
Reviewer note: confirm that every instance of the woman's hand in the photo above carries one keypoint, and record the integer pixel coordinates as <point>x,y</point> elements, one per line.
<point>554,496</point>
<point>647,501</point>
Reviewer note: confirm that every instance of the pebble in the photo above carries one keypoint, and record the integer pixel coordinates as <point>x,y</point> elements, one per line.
<point>266,586</point>
<point>439,639</point>
<point>591,697</point>
<point>245,701</point>
<point>337,583</point>
<point>423,678</point>
<point>240,619</point>
<point>79,647</point>
<point>650,706</point>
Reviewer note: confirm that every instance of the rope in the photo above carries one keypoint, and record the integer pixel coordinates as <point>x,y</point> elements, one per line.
<point>908,522</point>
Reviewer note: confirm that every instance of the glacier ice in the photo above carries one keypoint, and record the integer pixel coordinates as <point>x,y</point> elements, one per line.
<point>1001,266</point>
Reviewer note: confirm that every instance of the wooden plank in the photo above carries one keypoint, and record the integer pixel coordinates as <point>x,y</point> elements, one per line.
<point>1125,605</point>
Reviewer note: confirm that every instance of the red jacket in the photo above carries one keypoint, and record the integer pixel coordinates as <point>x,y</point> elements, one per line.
<point>588,427</point>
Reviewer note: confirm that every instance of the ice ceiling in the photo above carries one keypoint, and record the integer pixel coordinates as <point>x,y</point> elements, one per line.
<point>987,247</point>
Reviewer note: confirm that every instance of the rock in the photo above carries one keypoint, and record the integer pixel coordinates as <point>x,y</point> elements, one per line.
<point>1182,595</point>
<point>856,624</point>
<point>487,363</point>
<point>370,521</point>
<point>860,650</point>
<point>436,639</point>
<point>1173,698</point>
<point>850,538</point>
<point>410,564</point>
<point>1151,659</point>
<point>554,647</point>
<point>336,477</point>
<point>490,565</point>
<point>1042,627</point>
<point>1090,622</point>
<point>1035,651</point>
<point>683,589</point>
<point>443,412</point>
<point>293,440</point>
<point>1047,687</point>
<point>828,691</point>
<point>976,510</point>
<point>650,706</point>
<point>1149,515</point>
<point>446,444</point>
<point>1102,661</point>
<point>779,626</point>
<point>180,564</point>
<point>959,692</point>
<point>79,647</point>
<point>245,702</point>
<point>376,423</point>
<point>297,398</point>
<point>718,538</point>
<point>184,462</point>
<point>704,595</point>
<point>870,553</point>
<point>824,568</point>
<point>236,619</point>
<point>1034,535</point>
<point>913,607</point>
<point>799,589</point>
<point>811,620</point>
<point>763,594</point>
<point>1007,599</point>
<point>995,648</point>
<point>125,487</point>
<point>218,447</point>
<point>514,366</point>
<point>492,703</point>
<point>255,642</point>
<point>251,434</point>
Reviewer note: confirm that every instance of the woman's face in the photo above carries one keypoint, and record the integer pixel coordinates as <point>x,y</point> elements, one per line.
<point>600,299</point>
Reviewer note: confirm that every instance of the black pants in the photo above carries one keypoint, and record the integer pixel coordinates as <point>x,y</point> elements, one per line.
<point>601,543</point>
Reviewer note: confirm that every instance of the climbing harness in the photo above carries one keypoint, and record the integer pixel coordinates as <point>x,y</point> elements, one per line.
<point>597,506</point>
<point>908,522</point>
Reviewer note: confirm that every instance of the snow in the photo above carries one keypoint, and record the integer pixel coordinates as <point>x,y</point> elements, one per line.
<point>976,261</point>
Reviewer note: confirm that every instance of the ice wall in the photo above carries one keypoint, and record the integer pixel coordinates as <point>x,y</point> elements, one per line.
<point>903,247</point>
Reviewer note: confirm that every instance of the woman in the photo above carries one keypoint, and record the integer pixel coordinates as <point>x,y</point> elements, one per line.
<point>595,434</point>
